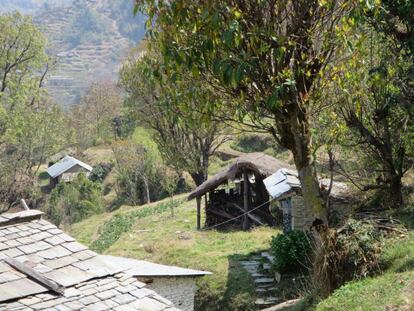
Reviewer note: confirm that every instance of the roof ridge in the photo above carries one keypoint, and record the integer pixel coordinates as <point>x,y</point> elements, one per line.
<point>15,218</point>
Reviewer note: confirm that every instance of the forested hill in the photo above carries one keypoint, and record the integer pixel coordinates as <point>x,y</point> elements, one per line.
<point>89,38</point>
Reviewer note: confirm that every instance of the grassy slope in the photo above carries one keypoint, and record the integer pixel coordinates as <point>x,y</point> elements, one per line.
<point>393,290</point>
<point>171,240</point>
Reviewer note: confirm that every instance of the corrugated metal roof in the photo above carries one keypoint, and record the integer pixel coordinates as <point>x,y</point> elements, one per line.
<point>65,164</point>
<point>281,183</point>
<point>286,182</point>
<point>142,268</point>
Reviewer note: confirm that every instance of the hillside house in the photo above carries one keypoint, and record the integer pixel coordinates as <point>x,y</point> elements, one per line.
<point>176,284</point>
<point>236,190</point>
<point>42,268</point>
<point>284,186</point>
<point>66,170</point>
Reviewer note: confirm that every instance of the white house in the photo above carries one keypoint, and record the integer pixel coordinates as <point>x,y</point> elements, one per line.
<point>67,169</point>
<point>174,283</point>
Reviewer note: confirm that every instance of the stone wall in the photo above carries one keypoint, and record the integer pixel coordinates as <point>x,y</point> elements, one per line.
<point>302,219</point>
<point>179,290</point>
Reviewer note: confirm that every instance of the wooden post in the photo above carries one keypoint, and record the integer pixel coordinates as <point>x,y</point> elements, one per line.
<point>24,204</point>
<point>245,200</point>
<point>198,213</point>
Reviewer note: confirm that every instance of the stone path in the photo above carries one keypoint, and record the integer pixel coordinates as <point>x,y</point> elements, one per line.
<point>259,267</point>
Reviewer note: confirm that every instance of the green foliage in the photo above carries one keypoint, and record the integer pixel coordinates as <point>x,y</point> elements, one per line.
<point>32,128</point>
<point>100,171</point>
<point>253,143</point>
<point>74,201</point>
<point>112,230</point>
<point>292,251</point>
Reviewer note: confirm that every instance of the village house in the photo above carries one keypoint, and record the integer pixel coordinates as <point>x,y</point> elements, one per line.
<point>174,283</point>
<point>237,194</point>
<point>42,268</point>
<point>66,170</point>
<point>284,187</point>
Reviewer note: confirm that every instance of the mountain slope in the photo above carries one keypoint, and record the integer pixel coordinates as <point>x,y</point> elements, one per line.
<point>89,39</point>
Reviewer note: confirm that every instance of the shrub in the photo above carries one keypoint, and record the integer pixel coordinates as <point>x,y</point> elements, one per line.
<point>72,202</point>
<point>291,251</point>
<point>350,253</point>
<point>100,171</point>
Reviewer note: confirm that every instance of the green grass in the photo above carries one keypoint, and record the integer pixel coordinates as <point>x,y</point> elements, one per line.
<point>163,238</point>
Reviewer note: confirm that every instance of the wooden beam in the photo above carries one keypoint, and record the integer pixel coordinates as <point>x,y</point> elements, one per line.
<point>24,204</point>
<point>198,213</point>
<point>33,274</point>
<point>245,200</point>
<point>252,217</point>
<point>220,213</point>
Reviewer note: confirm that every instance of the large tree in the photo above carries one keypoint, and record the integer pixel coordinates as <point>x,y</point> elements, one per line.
<point>169,108</point>
<point>267,55</point>
<point>31,126</point>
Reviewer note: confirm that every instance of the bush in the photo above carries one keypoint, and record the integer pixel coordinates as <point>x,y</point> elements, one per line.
<point>72,202</point>
<point>291,251</point>
<point>100,172</point>
<point>350,253</point>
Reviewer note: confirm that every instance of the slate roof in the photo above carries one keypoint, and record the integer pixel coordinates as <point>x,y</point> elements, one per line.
<point>65,164</point>
<point>143,268</point>
<point>88,281</point>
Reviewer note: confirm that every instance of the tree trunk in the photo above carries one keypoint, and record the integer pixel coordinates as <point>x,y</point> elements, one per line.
<point>201,176</point>
<point>395,194</point>
<point>297,137</point>
<point>146,191</point>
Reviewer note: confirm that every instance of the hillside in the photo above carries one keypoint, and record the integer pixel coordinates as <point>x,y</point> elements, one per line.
<point>88,37</point>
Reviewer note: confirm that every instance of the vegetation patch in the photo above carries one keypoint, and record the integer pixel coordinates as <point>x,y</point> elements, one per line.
<point>291,251</point>
<point>112,230</point>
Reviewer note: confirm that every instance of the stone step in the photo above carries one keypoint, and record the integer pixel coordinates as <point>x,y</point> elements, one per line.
<point>264,281</point>
<point>257,275</point>
<point>266,301</point>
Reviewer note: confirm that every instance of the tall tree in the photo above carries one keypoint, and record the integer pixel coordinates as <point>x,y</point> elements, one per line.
<point>31,127</point>
<point>169,108</point>
<point>267,55</point>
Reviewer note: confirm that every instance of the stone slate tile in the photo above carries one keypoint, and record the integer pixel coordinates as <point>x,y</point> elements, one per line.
<point>60,262</point>
<point>75,305</point>
<point>104,295</point>
<point>54,231</point>
<point>123,299</point>
<point>19,288</point>
<point>25,240</point>
<point>13,252</point>
<point>55,240</point>
<point>9,276</point>
<point>74,246</point>
<point>68,276</point>
<point>147,303</point>
<point>89,300</point>
<point>66,238</point>
<point>27,249</point>
<point>83,255</point>
<point>41,245</point>
<point>13,243</point>
<point>42,235</point>
<point>72,292</point>
<point>29,301</point>
<point>3,246</point>
<point>126,289</point>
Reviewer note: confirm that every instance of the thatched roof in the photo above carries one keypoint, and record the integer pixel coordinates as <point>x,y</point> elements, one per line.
<point>257,162</point>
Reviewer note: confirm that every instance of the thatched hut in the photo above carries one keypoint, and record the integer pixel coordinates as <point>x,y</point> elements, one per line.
<point>236,190</point>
